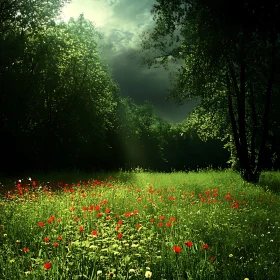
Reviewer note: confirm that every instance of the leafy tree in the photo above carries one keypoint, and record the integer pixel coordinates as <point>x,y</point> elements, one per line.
<point>57,99</point>
<point>230,52</point>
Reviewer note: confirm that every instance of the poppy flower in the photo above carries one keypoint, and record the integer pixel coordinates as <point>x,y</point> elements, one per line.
<point>94,232</point>
<point>120,222</point>
<point>59,238</point>
<point>176,249</point>
<point>161,218</point>
<point>120,235</point>
<point>160,224</point>
<point>25,249</point>
<point>40,224</point>
<point>46,239</point>
<point>47,265</point>
<point>188,243</point>
<point>205,247</point>
<point>168,224</point>
<point>55,244</point>
<point>139,226</point>
<point>81,228</point>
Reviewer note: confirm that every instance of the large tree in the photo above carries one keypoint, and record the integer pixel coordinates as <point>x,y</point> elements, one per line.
<point>230,53</point>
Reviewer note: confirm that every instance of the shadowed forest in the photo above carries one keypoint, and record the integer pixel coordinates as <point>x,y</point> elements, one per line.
<point>60,108</point>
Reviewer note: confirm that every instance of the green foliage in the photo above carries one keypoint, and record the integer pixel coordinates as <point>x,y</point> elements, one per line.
<point>127,225</point>
<point>229,63</point>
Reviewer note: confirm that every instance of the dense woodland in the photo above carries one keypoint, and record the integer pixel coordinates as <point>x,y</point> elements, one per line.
<point>61,109</point>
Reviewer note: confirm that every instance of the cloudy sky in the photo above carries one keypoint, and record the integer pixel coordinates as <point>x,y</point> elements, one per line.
<point>122,22</point>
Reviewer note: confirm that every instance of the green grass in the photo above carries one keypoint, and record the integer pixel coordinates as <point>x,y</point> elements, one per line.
<point>126,226</point>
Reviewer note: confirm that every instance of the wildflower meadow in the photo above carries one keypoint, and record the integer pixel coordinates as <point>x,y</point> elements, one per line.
<point>140,225</point>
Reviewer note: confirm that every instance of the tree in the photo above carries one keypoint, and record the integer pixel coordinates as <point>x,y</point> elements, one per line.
<point>230,52</point>
<point>57,99</point>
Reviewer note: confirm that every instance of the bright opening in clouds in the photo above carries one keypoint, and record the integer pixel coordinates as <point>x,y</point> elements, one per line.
<point>121,22</point>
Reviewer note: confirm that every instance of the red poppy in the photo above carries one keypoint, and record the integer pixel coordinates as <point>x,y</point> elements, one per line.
<point>94,232</point>
<point>176,249</point>
<point>160,224</point>
<point>81,228</point>
<point>172,219</point>
<point>139,226</point>
<point>25,249</point>
<point>107,210</point>
<point>205,247</point>
<point>118,227</point>
<point>188,243</point>
<point>47,265</point>
<point>99,215</point>
<point>168,224</point>
<point>120,222</point>
<point>59,238</point>
<point>120,235</point>
<point>97,208</point>
<point>152,220</point>
<point>46,239</point>
<point>40,224</point>
<point>55,244</point>
<point>161,218</point>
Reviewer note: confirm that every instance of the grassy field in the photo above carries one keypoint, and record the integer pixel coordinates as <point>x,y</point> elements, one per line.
<point>140,225</point>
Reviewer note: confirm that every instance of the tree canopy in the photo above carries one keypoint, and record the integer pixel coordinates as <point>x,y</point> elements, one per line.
<point>230,53</point>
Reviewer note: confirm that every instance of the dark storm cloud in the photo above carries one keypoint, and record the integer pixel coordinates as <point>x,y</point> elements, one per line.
<point>122,22</point>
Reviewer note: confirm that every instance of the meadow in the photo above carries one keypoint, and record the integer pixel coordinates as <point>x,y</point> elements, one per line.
<point>140,225</point>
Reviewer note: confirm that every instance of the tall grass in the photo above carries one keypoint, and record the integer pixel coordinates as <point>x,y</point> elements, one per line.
<point>138,225</point>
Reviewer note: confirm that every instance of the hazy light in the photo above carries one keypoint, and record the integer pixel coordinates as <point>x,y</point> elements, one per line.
<point>98,12</point>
